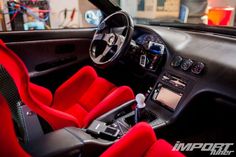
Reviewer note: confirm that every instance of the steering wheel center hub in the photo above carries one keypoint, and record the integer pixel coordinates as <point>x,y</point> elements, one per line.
<point>112,40</point>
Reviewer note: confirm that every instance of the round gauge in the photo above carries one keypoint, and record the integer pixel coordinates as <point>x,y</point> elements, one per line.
<point>177,61</point>
<point>186,64</point>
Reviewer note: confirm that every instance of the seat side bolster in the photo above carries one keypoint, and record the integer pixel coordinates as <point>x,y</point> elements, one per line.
<point>116,98</point>
<point>163,149</point>
<point>135,143</point>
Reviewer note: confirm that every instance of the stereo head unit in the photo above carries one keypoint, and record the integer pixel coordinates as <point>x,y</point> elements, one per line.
<point>168,97</point>
<point>169,91</point>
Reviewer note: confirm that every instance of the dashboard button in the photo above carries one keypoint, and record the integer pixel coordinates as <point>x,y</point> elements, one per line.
<point>197,68</point>
<point>186,64</point>
<point>143,60</point>
<point>176,61</point>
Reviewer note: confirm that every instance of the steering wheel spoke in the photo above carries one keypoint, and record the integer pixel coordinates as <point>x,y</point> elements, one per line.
<point>99,58</point>
<point>119,30</point>
<point>120,40</point>
<point>109,38</point>
<point>98,36</point>
<point>105,52</point>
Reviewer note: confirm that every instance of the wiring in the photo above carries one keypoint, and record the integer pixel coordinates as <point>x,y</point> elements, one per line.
<point>13,17</point>
<point>35,14</point>
<point>71,17</point>
<point>65,17</point>
<point>29,11</point>
<point>17,8</point>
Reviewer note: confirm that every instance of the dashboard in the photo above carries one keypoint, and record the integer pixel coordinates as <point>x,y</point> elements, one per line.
<point>188,66</point>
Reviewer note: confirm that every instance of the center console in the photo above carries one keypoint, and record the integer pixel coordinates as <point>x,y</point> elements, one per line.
<point>117,122</point>
<point>161,102</point>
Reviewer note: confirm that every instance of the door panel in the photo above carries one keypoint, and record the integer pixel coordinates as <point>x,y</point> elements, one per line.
<point>51,57</point>
<point>43,56</point>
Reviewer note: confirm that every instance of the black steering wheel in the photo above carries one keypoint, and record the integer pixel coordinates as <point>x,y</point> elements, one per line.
<point>112,39</point>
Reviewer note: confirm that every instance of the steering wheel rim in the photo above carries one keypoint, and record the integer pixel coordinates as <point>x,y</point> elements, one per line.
<point>113,39</point>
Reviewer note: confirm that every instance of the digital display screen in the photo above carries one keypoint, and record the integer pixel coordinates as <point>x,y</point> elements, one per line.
<point>168,98</point>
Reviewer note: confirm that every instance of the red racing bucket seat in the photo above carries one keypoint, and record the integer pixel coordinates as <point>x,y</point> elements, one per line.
<point>77,102</point>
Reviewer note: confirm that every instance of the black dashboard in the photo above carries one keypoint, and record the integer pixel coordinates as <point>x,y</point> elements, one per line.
<point>191,64</point>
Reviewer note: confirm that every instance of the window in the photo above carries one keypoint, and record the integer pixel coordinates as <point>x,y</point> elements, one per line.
<point>160,2</point>
<point>19,15</point>
<point>141,5</point>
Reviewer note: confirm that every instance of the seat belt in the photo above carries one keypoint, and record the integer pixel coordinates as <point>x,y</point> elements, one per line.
<point>27,122</point>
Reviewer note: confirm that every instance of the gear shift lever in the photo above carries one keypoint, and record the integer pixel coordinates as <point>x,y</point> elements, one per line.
<point>140,98</point>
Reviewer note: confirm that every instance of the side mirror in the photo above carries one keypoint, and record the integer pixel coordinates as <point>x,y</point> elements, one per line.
<point>93,17</point>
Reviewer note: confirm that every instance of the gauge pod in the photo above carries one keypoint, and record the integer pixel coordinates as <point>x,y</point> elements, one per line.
<point>186,64</point>
<point>176,61</point>
<point>197,68</point>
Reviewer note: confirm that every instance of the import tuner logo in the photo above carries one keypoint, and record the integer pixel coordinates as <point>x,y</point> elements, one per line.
<point>220,149</point>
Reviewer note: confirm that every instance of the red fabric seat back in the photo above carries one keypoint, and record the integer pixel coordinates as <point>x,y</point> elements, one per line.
<point>17,70</point>
<point>15,67</point>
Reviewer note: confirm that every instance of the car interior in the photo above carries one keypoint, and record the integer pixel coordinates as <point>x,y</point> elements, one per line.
<point>119,89</point>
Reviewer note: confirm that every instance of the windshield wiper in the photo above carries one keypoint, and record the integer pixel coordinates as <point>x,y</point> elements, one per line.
<point>197,27</point>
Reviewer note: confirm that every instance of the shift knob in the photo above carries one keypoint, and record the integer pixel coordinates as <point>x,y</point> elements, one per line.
<point>140,98</point>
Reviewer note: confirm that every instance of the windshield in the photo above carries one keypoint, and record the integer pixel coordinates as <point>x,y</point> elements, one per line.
<point>208,12</point>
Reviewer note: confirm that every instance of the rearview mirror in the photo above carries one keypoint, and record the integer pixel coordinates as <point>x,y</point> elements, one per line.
<point>93,17</point>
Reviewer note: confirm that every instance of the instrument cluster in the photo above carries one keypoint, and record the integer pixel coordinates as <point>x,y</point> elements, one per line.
<point>151,51</point>
<point>146,38</point>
